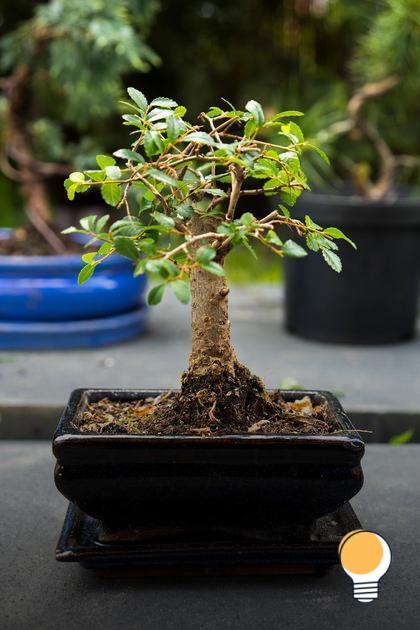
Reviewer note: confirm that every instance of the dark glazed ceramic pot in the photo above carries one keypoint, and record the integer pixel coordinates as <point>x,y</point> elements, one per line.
<point>244,479</point>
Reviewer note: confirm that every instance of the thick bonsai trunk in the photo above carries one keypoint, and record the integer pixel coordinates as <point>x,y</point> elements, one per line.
<point>211,335</point>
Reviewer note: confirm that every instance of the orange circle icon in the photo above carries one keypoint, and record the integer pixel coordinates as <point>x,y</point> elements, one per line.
<point>361,552</point>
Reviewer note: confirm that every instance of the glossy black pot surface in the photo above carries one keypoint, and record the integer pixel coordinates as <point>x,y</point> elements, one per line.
<point>247,479</point>
<point>374,299</point>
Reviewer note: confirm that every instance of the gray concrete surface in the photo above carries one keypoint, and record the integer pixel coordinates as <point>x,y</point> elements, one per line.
<point>370,377</point>
<point>38,593</point>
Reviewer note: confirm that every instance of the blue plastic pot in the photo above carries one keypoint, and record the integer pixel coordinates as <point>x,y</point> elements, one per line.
<point>42,306</point>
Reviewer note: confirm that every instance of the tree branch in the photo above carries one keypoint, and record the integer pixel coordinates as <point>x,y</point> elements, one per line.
<point>237,178</point>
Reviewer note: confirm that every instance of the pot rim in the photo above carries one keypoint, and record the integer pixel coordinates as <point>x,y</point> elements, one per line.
<point>56,262</point>
<point>351,199</point>
<point>66,434</point>
<point>17,262</point>
<point>353,211</point>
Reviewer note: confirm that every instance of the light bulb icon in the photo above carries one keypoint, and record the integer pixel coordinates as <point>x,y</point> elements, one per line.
<point>365,556</point>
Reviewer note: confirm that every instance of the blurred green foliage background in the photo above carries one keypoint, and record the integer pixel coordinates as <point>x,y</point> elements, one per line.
<point>290,54</point>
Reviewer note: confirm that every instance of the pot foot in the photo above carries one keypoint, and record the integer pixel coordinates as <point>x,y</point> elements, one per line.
<point>190,551</point>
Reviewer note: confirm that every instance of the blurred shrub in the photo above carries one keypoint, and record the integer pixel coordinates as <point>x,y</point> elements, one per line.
<point>78,52</point>
<point>287,52</point>
<point>389,46</point>
<point>392,47</point>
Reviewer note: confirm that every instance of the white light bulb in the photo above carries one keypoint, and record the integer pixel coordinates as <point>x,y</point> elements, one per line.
<point>365,556</point>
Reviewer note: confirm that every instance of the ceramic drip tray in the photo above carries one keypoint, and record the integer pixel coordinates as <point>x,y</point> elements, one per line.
<point>178,551</point>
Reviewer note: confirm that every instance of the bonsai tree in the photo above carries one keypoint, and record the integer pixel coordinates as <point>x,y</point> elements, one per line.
<point>52,95</point>
<point>381,116</point>
<point>179,185</point>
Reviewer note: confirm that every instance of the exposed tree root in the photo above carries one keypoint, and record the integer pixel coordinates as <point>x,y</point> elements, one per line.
<point>213,403</point>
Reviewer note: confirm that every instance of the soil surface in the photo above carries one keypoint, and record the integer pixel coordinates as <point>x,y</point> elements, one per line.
<point>26,241</point>
<point>206,412</point>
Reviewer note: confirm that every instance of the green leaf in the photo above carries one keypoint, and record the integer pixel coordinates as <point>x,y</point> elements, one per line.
<point>147,245</point>
<point>96,176</point>
<point>85,273</point>
<point>294,130</point>
<point>247,219</point>
<point>336,233</point>
<point>250,128</point>
<point>77,177</point>
<point>293,250</point>
<point>158,141</point>
<point>162,101</point>
<point>140,267</point>
<point>154,266</point>
<point>88,223</point>
<point>126,247</point>
<point>133,119</point>
<point>205,254</point>
<point>291,161</point>
<point>267,168</point>
<point>113,172</point>
<point>332,260</point>
<point>156,294</point>
<point>272,183</point>
<point>89,257</point>
<point>180,111</point>
<point>215,192</point>
<point>105,160</point>
<point>312,242</point>
<point>163,177</point>
<point>272,238</point>
<point>127,154</point>
<point>184,210</point>
<point>251,250</point>
<point>158,114</point>
<point>213,268</point>
<point>163,219</point>
<point>138,97</point>
<point>200,137</point>
<point>257,112</point>
<point>181,288</point>
<point>320,152</point>
<point>149,144</point>
<point>127,227</point>
<point>173,128</point>
<point>287,114</point>
<point>111,194</point>
<point>153,143</point>
<point>289,195</point>
<point>171,268</point>
<point>71,191</point>
<point>326,243</point>
<point>214,111</point>
<point>105,248</point>
<point>402,438</point>
<point>102,222</point>
<point>311,224</point>
<point>226,228</point>
<point>70,230</point>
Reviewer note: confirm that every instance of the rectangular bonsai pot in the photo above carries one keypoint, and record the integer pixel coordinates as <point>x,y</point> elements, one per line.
<point>244,479</point>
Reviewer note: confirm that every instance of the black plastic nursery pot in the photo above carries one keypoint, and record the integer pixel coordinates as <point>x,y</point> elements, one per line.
<point>374,299</point>
<point>244,480</point>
